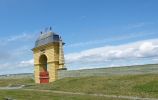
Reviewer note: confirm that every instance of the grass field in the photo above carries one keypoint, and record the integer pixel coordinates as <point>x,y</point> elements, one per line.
<point>141,85</point>
<point>129,85</point>
<point>31,95</point>
<point>16,82</point>
<point>113,71</point>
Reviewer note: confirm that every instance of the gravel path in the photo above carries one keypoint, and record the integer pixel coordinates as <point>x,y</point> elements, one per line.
<point>11,88</point>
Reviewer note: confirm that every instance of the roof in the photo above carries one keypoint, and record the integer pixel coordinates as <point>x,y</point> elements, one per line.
<point>46,38</point>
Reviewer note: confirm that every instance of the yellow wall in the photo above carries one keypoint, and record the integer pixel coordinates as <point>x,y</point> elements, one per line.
<point>52,53</point>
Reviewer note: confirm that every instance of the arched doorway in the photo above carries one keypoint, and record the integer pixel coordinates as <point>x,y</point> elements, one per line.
<point>44,75</point>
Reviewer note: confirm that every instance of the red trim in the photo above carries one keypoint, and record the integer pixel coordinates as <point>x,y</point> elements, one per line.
<point>44,77</point>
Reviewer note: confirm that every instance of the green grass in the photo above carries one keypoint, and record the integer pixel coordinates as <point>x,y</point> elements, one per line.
<point>149,87</point>
<point>15,82</point>
<point>131,85</point>
<point>113,71</point>
<point>141,85</point>
<point>30,95</point>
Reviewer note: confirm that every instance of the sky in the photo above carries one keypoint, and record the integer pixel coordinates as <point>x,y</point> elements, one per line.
<point>97,33</point>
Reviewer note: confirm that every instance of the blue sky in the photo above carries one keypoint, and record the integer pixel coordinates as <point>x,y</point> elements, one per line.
<point>97,33</point>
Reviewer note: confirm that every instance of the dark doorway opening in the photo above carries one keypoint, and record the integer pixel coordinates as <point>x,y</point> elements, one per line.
<point>44,75</point>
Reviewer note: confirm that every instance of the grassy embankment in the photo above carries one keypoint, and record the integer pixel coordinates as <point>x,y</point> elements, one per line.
<point>32,95</point>
<point>142,85</point>
<point>129,85</point>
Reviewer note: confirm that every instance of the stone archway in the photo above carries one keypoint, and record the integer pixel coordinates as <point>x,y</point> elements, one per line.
<point>48,57</point>
<point>44,74</point>
<point>43,63</point>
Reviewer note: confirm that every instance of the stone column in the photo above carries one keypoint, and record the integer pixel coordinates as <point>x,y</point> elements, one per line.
<point>61,55</point>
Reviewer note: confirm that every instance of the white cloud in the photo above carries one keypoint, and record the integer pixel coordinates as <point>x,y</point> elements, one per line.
<point>27,63</point>
<point>136,50</point>
<point>155,59</point>
<point>20,64</point>
<point>137,25</point>
<point>17,38</point>
<point>24,66</point>
<point>146,47</point>
<point>111,39</point>
<point>4,65</point>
